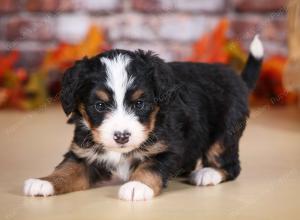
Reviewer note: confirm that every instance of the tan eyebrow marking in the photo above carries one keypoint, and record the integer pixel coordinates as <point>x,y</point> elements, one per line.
<point>85,116</point>
<point>137,94</point>
<point>102,95</point>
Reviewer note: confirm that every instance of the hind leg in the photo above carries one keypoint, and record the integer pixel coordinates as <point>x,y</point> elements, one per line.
<point>221,161</point>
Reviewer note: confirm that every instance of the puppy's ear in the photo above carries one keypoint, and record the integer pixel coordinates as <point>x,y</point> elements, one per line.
<point>162,76</point>
<point>70,84</point>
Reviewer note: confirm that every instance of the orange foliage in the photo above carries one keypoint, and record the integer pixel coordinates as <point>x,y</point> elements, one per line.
<point>65,54</point>
<point>21,90</point>
<point>7,61</point>
<point>211,47</point>
<point>270,85</point>
<point>11,80</point>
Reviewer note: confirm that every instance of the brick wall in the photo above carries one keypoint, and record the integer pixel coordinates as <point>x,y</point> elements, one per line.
<point>168,27</point>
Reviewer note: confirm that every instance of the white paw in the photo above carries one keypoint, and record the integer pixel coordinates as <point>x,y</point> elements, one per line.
<point>135,191</point>
<point>206,177</point>
<point>37,187</point>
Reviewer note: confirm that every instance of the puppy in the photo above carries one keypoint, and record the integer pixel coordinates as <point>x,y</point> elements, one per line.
<point>144,121</point>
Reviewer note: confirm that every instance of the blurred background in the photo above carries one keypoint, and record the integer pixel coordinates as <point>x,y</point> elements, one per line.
<point>40,39</point>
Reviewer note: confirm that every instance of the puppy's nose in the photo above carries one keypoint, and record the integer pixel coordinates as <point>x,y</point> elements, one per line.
<point>121,137</point>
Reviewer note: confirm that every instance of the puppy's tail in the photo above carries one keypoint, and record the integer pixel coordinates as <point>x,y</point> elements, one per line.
<point>251,71</point>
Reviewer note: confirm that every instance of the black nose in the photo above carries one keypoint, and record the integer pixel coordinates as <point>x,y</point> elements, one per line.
<point>121,137</point>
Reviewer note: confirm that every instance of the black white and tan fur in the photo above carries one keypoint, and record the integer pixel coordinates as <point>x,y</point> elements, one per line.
<point>144,121</point>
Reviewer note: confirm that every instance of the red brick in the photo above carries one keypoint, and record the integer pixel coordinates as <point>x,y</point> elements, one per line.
<point>71,27</point>
<point>270,28</point>
<point>184,28</point>
<point>100,6</point>
<point>7,6</point>
<point>259,5</point>
<point>2,22</point>
<point>131,27</point>
<point>200,6</point>
<point>275,48</point>
<point>276,30</point>
<point>67,5</point>
<point>29,28</point>
<point>51,5</point>
<point>179,5</point>
<point>42,5</point>
<point>147,6</point>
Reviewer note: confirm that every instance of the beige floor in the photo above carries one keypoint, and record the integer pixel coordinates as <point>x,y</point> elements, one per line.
<point>268,188</point>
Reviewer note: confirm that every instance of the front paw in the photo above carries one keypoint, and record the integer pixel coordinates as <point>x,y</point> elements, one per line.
<point>135,191</point>
<point>37,187</point>
<point>206,177</point>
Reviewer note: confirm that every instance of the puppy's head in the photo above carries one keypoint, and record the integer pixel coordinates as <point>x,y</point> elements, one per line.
<point>118,95</point>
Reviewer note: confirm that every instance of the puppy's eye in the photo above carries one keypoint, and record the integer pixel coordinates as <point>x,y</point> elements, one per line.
<point>139,105</point>
<point>100,106</point>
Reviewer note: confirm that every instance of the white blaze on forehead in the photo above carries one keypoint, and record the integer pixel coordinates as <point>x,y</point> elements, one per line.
<point>117,77</point>
<point>120,120</point>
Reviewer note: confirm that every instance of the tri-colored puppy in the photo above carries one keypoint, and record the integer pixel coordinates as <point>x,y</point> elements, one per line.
<point>144,121</point>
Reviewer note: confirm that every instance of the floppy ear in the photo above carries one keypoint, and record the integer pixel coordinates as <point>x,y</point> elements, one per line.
<point>162,76</point>
<point>70,84</point>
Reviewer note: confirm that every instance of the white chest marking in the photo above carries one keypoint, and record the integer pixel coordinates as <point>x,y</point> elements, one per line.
<point>110,159</point>
<point>120,164</point>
